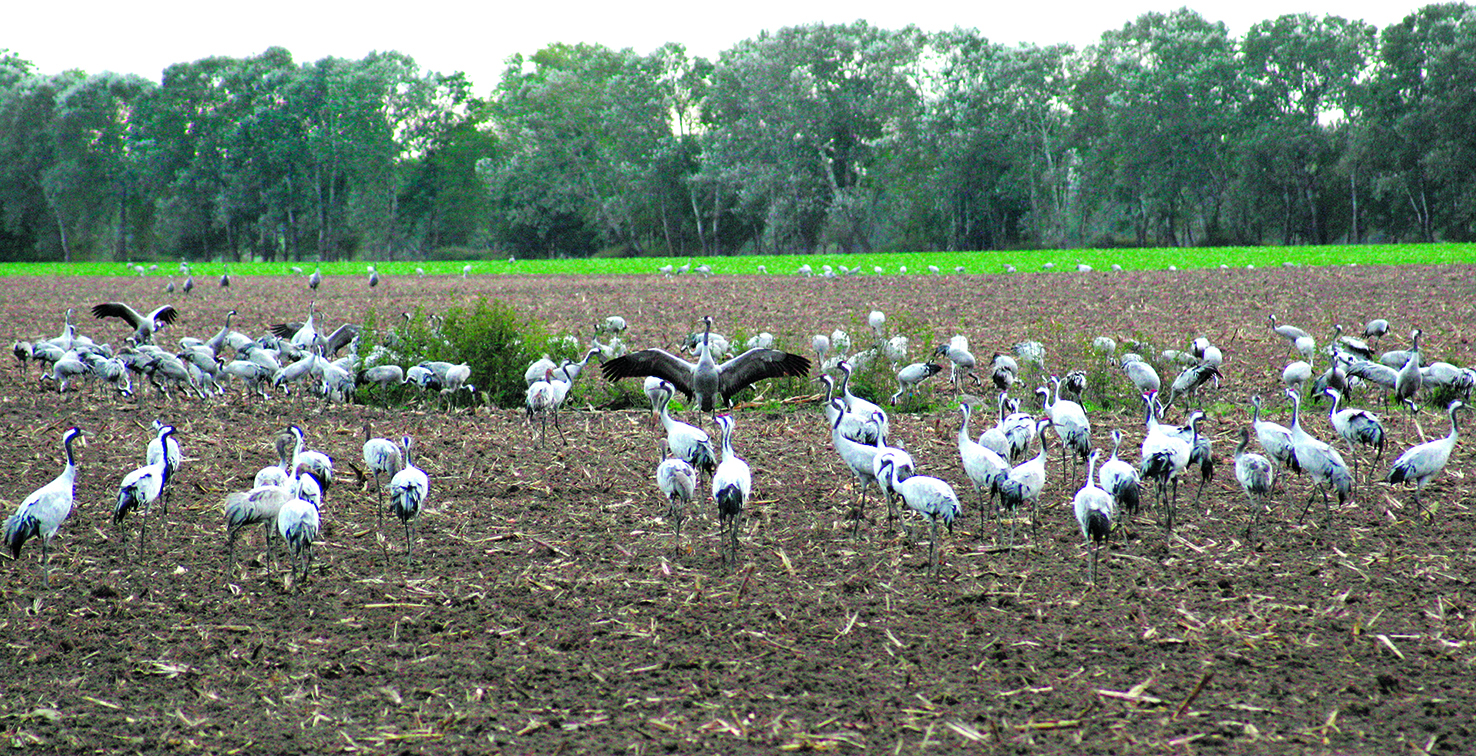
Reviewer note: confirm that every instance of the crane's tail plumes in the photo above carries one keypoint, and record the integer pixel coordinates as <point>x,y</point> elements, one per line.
<point>1129,496</point>
<point>404,504</point>
<point>19,528</point>
<point>1157,466</point>
<point>1098,525</point>
<point>1399,473</point>
<point>702,459</point>
<point>128,500</point>
<point>300,536</point>
<point>729,501</point>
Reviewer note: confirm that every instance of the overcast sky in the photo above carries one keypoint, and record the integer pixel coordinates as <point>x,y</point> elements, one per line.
<point>145,36</point>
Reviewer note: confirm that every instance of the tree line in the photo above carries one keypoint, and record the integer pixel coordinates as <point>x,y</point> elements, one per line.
<point>1166,132</point>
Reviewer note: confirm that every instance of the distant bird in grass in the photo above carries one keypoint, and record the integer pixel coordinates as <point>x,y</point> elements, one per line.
<point>732,484</point>
<point>373,277</point>
<point>1255,475</point>
<point>408,491</point>
<point>142,487</point>
<point>1423,463</point>
<point>678,481</point>
<point>41,514</point>
<point>707,381</point>
<point>930,497</point>
<point>225,276</point>
<point>1094,513</point>
<point>316,279</point>
<point>383,458</point>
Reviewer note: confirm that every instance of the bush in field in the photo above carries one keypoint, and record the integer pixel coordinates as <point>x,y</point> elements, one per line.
<point>497,343</point>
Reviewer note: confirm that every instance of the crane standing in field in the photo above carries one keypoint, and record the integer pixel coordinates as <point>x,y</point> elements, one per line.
<point>382,458</point>
<point>1121,480</point>
<point>732,484</point>
<point>142,487</point>
<point>930,497</point>
<point>1422,463</point>
<point>408,491</point>
<point>41,514</point>
<point>1255,475</point>
<point>1094,513</point>
<point>1321,462</point>
<point>678,481</point>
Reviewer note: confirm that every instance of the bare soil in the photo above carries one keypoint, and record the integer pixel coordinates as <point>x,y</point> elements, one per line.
<point>548,610</point>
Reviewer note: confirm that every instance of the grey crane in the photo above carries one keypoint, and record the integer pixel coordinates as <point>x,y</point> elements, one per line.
<point>1255,475</point>
<point>706,379</point>
<point>383,458</point>
<point>981,465</point>
<point>408,491</point>
<point>732,484</point>
<point>143,326</point>
<point>1094,513</point>
<point>1121,480</point>
<point>41,513</point>
<point>1357,427</point>
<point>930,497</point>
<point>1409,379</point>
<point>1322,463</point>
<point>1421,464</point>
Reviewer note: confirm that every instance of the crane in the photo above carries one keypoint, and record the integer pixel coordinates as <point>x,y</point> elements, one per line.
<point>1408,381</point>
<point>312,462</point>
<point>316,279</point>
<point>1094,513</point>
<point>298,522</point>
<point>383,458</point>
<point>706,380</point>
<point>1120,479</point>
<point>903,464</point>
<point>542,401</point>
<point>678,481</point>
<point>1165,457</point>
<point>41,513</point>
<point>408,490</point>
<point>1321,462</point>
<point>687,441</point>
<point>1071,424</point>
<point>1421,464</point>
<point>909,377</point>
<point>1275,439</point>
<point>142,487</point>
<point>1357,427</point>
<point>1024,482</point>
<point>859,457</point>
<point>981,465</point>
<point>930,497</point>
<point>732,484</point>
<point>1019,429</point>
<point>861,428</point>
<point>144,326</point>
<point>1255,475</point>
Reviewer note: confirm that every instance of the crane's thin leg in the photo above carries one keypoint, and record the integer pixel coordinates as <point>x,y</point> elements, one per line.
<point>379,509</point>
<point>46,561</point>
<point>408,544</point>
<point>1092,572</point>
<point>933,550</point>
<point>1308,505</point>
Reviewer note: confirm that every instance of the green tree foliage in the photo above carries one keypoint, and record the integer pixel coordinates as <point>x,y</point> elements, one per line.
<point>1167,131</point>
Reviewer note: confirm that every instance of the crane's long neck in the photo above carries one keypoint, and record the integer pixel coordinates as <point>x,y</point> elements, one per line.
<point>1150,421</point>
<point>963,430</point>
<point>662,408</point>
<point>1337,398</point>
<point>1003,400</point>
<point>727,440</point>
<point>70,470</point>
<point>1255,410</point>
<point>1091,471</point>
<point>1455,431</point>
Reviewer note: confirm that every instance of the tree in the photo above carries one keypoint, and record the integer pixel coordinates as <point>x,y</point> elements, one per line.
<point>800,119</point>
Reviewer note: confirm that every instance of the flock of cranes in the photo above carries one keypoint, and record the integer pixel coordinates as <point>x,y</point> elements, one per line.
<point>1008,479</point>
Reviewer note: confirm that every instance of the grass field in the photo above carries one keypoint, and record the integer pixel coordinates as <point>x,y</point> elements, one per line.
<point>916,262</point>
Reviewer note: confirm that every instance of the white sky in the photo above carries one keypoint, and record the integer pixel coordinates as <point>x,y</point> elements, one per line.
<point>145,36</point>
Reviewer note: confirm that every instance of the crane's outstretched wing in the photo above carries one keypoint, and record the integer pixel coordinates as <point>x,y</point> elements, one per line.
<point>118,310</point>
<point>164,314</point>
<point>757,364</point>
<point>657,362</point>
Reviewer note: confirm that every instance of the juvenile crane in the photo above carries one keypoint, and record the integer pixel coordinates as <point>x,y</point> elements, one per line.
<point>930,497</point>
<point>678,481</point>
<point>1255,475</point>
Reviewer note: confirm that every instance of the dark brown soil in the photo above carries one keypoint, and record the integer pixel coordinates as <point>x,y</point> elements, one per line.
<point>548,610</point>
